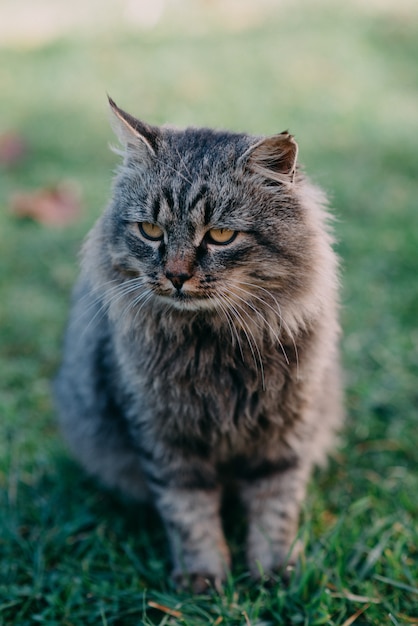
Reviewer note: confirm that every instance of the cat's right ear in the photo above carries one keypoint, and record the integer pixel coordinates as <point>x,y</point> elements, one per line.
<point>132,133</point>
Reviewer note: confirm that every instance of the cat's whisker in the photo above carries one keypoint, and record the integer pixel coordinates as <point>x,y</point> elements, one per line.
<point>134,303</point>
<point>234,333</point>
<point>119,288</point>
<point>146,297</point>
<point>243,326</point>
<point>107,284</point>
<point>262,317</point>
<point>85,309</point>
<point>292,339</point>
<point>116,294</point>
<point>252,343</point>
<point>282,321</point>
<point>249,333</point>
<point>131,289</point>
<point>277,311</point>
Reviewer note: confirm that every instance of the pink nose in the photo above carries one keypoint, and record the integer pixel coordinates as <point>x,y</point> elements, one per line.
<point>178,280</point>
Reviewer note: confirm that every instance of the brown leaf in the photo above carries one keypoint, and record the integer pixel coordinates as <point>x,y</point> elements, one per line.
<point>56,206</point>
<point>165,609</point>
<point>13,149</point>
<point>247,619</point>
<point>357,614</point>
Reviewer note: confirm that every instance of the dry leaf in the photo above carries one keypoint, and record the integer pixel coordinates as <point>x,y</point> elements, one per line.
<point>355,598</point>
<point>56,206</point>
<point>13,149</point>
<point>165,609</point>
<point>357,614</point>
<point>247,619</point>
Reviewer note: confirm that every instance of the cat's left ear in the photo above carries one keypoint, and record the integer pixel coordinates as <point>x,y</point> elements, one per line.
<point>274,158</point>
<point>132,132</point>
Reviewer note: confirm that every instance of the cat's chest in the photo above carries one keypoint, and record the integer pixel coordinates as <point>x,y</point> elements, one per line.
<point>203,367</point>
<point>204,386</point>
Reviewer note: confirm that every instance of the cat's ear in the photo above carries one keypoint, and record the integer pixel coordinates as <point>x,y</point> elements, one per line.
<point>133,133</point>
<point>274,158</point>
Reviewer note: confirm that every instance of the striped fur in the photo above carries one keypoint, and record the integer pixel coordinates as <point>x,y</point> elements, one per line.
<point>190,365</point>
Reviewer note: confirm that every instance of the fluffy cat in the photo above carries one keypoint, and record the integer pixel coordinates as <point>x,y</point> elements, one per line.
<point>202,347</point>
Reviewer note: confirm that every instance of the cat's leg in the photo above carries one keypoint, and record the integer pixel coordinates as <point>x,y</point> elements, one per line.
<point>198,547</point>
<point>273,505</point>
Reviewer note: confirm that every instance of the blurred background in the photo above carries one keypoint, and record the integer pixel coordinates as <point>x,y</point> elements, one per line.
<point>341,77</point>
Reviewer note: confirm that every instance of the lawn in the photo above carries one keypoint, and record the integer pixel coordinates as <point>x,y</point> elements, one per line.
<point>343,79</point>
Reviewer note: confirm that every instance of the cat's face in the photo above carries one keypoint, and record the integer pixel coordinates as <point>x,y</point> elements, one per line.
<point>207,220</point>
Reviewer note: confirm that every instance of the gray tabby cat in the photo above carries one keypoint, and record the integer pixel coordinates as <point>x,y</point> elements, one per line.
<point>202,345</point>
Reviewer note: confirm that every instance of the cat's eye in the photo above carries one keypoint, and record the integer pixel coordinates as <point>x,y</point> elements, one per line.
<point>152,232</point>
<point>221,236</point>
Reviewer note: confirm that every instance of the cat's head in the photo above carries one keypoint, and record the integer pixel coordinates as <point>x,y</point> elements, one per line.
<point>207,220</point>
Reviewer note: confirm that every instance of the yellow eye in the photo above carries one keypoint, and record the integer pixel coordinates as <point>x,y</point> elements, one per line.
<point>221,236</point>
<point>150,231</point>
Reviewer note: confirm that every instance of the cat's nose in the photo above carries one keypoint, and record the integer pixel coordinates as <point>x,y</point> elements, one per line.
<point>179,279</point>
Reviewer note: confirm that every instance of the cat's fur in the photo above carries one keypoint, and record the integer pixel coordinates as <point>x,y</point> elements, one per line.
<point>190,365</point>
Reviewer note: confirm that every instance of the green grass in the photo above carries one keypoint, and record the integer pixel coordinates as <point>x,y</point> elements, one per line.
<point>344,81</point>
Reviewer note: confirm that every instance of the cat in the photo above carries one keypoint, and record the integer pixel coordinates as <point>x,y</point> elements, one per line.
<point>202,347</point>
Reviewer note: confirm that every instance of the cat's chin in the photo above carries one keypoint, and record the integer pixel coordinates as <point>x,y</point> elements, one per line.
<point>185,302</point>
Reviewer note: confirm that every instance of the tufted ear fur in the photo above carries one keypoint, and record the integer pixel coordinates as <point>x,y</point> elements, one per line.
<point>132,132</point>
<point>274,158</point>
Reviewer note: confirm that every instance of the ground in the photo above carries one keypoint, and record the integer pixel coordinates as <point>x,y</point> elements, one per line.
<point>343,80</point>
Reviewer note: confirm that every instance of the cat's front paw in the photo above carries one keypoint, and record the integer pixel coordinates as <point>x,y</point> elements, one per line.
<point>274,562</point>
<point>197,582</point>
